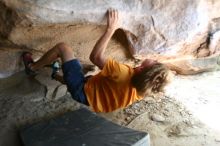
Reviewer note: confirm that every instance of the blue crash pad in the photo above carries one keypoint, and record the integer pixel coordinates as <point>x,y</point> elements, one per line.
<point>81,128</point>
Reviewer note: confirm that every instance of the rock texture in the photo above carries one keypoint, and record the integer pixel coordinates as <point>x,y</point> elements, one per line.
<point>173,31</point>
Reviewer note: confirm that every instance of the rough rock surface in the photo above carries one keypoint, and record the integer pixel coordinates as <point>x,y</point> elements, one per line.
<point>164,29</point>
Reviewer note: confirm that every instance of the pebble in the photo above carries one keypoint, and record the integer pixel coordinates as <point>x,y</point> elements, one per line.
<point>157,118</point>
<point>128,118</point>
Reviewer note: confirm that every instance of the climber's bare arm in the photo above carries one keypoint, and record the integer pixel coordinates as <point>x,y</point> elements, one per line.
<point>97,55</point>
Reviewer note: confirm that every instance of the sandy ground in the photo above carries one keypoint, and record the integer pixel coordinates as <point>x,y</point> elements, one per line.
<point>186,115</point>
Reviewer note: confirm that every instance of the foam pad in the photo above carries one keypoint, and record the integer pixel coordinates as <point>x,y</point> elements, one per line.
<point>81,128</point>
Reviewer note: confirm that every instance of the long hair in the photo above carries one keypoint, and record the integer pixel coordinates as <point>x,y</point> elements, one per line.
<point>151,80</point>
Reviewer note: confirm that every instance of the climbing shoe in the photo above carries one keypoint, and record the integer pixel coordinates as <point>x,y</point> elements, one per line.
<point>27,60</point>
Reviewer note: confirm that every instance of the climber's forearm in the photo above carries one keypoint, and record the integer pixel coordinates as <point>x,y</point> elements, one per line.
<point>97,55</point>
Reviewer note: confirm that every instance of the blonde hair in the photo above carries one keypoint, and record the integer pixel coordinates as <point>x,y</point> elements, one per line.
<point>151,79</point>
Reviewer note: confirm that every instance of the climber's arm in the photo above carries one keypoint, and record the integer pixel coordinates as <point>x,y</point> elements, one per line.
<point>97,55</point>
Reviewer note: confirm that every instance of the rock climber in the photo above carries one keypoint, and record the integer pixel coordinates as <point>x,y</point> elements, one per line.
<point>116,86</point>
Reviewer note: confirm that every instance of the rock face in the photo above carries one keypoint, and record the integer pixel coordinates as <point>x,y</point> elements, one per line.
<point>163,29</point>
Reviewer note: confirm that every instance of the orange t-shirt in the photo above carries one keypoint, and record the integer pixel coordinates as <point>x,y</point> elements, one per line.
<point>111,89</point>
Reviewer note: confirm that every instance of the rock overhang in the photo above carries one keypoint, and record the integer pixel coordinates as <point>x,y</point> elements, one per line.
<point>152,27</point>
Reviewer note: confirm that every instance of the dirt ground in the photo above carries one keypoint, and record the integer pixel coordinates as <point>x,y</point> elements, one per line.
<point>171,119</point>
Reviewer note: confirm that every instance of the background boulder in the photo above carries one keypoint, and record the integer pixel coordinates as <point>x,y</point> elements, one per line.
<point>173,31</point>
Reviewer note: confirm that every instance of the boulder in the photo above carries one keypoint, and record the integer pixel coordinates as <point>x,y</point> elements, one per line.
<point>160,29</point>
<point>9,61</point>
